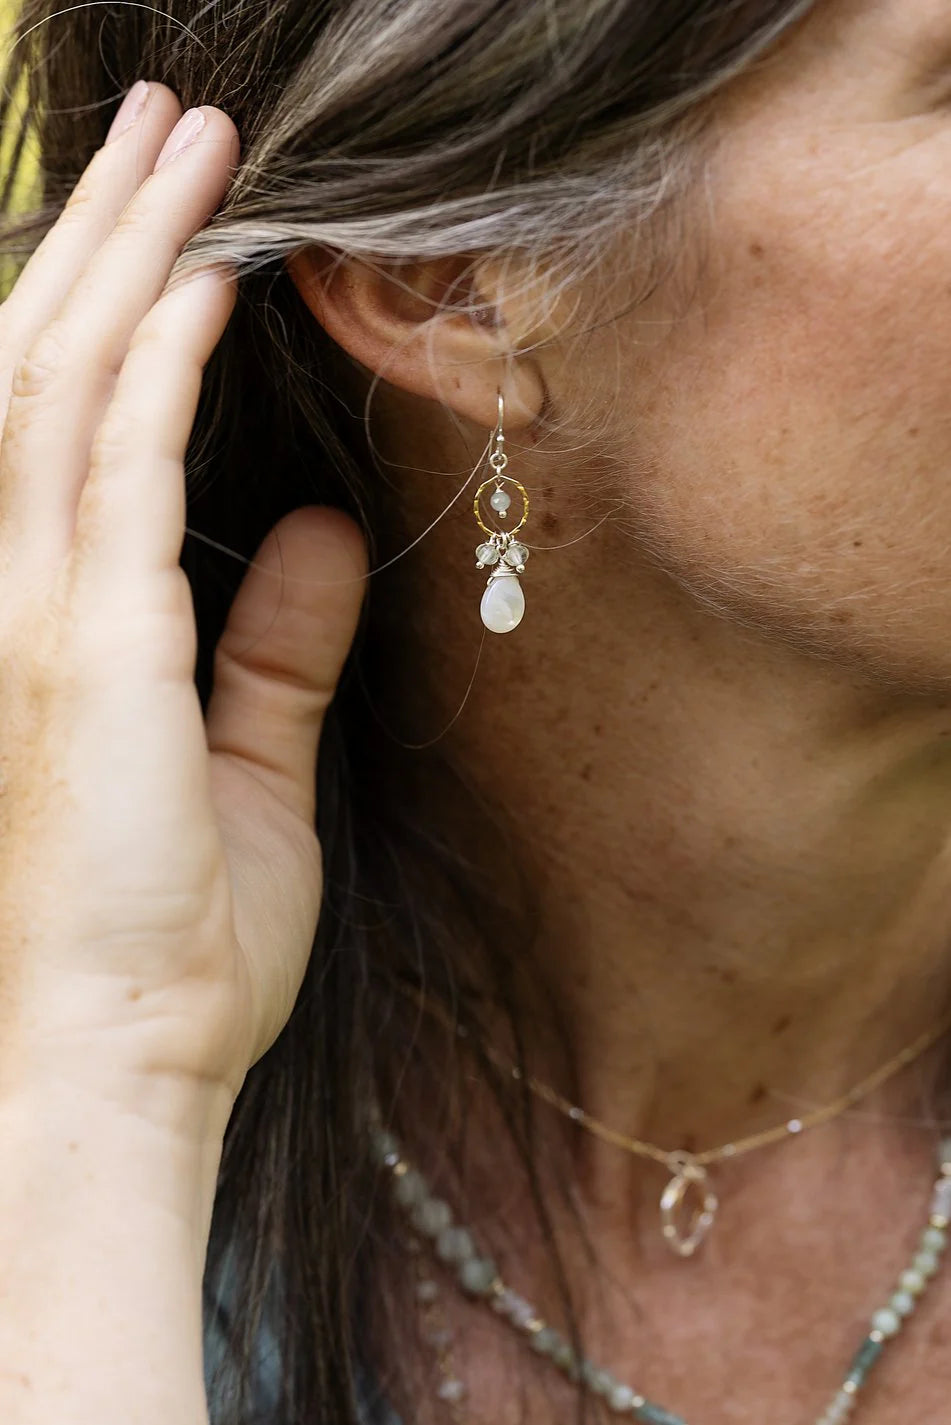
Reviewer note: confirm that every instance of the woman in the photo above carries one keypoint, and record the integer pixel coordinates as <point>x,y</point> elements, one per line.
<point>613,1083</point>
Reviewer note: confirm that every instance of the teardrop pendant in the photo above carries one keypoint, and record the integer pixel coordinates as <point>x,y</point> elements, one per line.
<point>503,602</point>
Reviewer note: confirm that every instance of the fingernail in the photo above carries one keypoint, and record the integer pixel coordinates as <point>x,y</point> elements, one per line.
<point>129,110</point>
<point>188,128</point>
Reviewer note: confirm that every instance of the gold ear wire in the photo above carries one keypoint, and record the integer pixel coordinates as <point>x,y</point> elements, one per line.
<point>503,602</point>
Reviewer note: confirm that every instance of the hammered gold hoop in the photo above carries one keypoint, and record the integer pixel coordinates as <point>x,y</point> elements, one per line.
<point>688,1178</point>
<point>494,480</point>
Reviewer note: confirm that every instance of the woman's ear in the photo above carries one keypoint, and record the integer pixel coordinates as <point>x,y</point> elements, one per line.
<point>426,327</point>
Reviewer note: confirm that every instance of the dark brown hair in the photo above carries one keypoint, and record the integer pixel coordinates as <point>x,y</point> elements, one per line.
<point>384,131</point>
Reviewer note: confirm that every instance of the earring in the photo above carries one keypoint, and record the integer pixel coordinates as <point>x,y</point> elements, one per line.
<point>503,602</point>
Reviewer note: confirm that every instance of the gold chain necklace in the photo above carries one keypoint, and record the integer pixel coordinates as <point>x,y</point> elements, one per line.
<point>689,1173</point>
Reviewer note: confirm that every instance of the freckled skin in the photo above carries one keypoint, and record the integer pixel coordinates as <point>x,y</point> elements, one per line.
<point>781,456</point>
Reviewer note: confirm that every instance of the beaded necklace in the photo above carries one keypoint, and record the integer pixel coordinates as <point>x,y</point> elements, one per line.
<point>478,1277</point>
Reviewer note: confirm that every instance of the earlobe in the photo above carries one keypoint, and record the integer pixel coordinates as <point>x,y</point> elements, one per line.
<point>420,327</point>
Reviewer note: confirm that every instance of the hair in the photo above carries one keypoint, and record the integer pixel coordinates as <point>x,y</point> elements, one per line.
<point>533,129</point>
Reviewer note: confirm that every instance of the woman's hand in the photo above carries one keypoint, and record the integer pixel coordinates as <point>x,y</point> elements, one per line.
<point>160,876</point>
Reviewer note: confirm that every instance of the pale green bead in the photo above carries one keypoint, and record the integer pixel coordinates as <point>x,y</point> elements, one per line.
<point>454,1245</point>
<point>476,1275</point>
<point>913,1281</point>
<point>601,1382</point>
<point>838,1410</point>
<point>841,1407</point>
<point>903,1302</point>
<point>927,1263</point>
<point>563,1355</point>
<point>934,1239</point>
<point>621,1398</point>
<point>409,1188</point>
<point>887,1321</point>
<point>544,1341</point>
<point>385,1146</point>
<point>432,1216</point>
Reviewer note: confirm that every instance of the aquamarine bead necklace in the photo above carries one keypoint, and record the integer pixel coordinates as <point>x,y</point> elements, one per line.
<point>477,1275</point>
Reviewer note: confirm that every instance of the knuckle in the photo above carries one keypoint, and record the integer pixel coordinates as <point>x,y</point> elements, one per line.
<point>81,199</point>
<point>132,221</point>
<point>37,368</point>
<point>114,441</point>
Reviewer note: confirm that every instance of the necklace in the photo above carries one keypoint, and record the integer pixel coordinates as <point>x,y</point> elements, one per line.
<point>478,1277</point>
<point>689,1175</point>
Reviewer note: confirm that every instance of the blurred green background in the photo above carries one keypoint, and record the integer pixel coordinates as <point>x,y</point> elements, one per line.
<point>25,188</point>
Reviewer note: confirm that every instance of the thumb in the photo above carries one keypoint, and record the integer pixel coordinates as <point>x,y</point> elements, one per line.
<point>279,658</point>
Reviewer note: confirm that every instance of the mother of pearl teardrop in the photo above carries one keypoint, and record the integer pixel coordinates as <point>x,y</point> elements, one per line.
<point>503,604</point>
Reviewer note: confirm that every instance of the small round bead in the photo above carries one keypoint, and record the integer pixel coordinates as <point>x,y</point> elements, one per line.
<point>452,1390</point>
<point>516,1308</point>
<point>903,1302</point>
<point>454,1245</point>
<point>621,1398</point>
<point>476,1275</point>
<point>500,500</point>
<point>385,1145</point>
<point>409,1188</point>
<point>563,1355</point>
<point>912,1281</point>
<point>927,1263</point>
<point>544,1341</point>
<point>525,1317</point>
<point>601,1382</point>
<point>516,555</point>
<point>432,1216</point>
<point>941,1199</point>
<point>838,1410</point>
<point>934,1239</point>
<point>887,1321</point>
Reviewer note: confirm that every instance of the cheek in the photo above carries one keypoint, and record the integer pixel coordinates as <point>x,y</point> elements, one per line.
<point>798,418</point>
